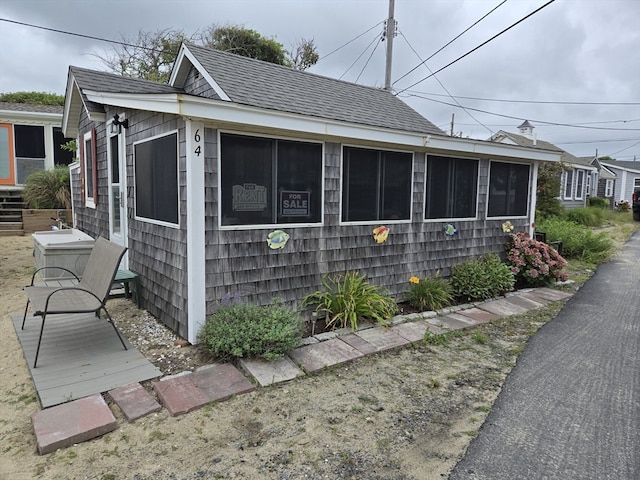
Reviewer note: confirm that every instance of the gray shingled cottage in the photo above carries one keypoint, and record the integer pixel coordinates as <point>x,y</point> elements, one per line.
<point>193,176</point>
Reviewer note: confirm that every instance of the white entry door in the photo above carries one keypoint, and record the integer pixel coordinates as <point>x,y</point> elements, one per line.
<point>117,189</point>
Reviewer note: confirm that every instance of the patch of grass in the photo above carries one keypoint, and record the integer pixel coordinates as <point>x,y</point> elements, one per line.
<point>483,408</point>
<point>157,435</point>
<point>434,383</point>
<point>479,338</point>
<point>368,399</point>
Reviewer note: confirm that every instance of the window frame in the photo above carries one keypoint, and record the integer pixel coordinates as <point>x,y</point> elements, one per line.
<point>587,186</point>
<point>274,195</point>
<point>568,182</point>
<point>528,193</point>
<point>155,221</point>
<point>608,187</point>
<point>342,179</point>
<point>89,190</point>
<point>579,194</point>
<point>426,182</point>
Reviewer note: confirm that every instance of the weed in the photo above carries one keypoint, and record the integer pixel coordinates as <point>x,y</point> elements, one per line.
<point>434,383</point>
<point>157,435</point>
<point>370,399</point>
<point>479,338</point>
<point>484,408</point>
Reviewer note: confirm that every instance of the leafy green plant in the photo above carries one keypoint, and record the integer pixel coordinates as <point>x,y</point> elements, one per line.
<point>578,241</point>
<point>598,202</point>
<point>481,278</point>
<point>348,298</point>
<point>247,330</point>
<point>430,293</point>
<point>590,217</point>
<point>534,263</point>
<point>48,188</point>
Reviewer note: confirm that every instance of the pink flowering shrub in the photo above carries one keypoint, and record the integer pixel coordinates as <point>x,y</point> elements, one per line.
<point>532,262</point>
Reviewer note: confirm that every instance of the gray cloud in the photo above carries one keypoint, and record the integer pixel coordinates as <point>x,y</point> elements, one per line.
<point>574,50</point>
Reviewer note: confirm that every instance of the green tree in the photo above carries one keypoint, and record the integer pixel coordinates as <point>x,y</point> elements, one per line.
<point>548,190</point>
<point>33,98</point>
<point>151,54</point>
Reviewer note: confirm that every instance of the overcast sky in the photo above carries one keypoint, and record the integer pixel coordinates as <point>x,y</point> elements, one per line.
<point>585,51</point>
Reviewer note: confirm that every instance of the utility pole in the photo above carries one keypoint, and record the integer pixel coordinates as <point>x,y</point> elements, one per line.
<point>452,117</point>
<point>390,32</point>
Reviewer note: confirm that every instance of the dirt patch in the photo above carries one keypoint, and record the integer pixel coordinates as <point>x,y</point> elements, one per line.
<point>405,414</point>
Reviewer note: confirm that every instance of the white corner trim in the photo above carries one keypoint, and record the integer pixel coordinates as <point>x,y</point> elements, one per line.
<point>196,271</point>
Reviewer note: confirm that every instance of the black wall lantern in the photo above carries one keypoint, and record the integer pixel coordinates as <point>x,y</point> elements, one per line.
<point>117,124</point>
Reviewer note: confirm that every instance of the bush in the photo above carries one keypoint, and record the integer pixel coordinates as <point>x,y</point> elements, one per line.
<point>534,263</point>
<point>347,298</point>
<point>482,278</point>
<point>578,241</point>
<point>48,188</point>
<point>598,202</point>
<point>589,217</point>
<point>430,293</point>
<point>246,330</point>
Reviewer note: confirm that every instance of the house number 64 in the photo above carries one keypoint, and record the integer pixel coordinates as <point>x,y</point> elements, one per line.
<point>197,139</point>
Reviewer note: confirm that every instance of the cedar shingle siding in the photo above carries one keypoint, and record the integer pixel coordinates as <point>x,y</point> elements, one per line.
<point>238,260</point>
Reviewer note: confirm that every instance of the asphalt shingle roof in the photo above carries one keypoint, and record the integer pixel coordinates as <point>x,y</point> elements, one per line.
<point>266,85</point>
<point>541,144</point>
<point>28,107</point>
<point>112,83</point>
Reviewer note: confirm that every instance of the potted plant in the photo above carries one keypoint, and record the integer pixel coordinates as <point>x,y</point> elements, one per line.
<point>47,194</point>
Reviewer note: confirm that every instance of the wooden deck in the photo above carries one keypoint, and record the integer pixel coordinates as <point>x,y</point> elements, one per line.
<point>80,355</point>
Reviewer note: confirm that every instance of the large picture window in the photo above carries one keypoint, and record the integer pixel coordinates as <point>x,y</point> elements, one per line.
<point>452,186</point>
<point>376,185</point>
<point>156,179</point>
<point>508,189</point>
<point>269,181</point>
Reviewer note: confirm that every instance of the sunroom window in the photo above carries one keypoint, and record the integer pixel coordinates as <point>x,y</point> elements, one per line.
<point>451,190</point>
<point>156,179</point>
<point>267,181</point>
<point>508,189</point>
<point>376,185</point>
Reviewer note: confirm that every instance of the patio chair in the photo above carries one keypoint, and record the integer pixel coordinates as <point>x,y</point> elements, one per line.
<point>88,296</point>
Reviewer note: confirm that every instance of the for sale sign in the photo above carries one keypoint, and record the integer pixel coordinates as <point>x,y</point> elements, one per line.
<point>294,204</point>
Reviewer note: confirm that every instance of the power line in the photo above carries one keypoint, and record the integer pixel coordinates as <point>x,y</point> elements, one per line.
<point>423,62</point>
<point>531,101</point>
<point>91,37</point>
<point>377,38</point>
<point>530,119</point>
<point>350,41</point>
<point>630,146</point>
<point>368,60</point>
<point>479,46</point>
<point>442,85</point>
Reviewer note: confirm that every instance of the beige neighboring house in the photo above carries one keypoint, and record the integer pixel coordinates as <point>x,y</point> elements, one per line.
<point>578,179</point>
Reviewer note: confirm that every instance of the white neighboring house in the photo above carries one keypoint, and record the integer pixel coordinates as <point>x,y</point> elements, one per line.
<point>627,178</point>
<point>580,176</point>
<point>30,140</point>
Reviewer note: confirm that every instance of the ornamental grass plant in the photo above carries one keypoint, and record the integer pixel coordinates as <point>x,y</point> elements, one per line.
<point>347,298</point>
<point>48,188</point>
<point>430,293</point>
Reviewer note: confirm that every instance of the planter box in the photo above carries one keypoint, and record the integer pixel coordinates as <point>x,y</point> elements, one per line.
<point>69,248</point>
<point>37,220</point>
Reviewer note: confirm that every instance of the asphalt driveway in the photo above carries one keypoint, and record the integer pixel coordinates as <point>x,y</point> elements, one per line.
<point>570,409</point>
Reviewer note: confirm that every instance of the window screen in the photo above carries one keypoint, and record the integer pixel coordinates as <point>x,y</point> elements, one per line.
<point>508,189</point>
<point>452,185</point>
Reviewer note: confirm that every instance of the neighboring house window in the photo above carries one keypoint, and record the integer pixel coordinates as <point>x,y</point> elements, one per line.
<point>60,156</point>
<point>267,181</point>
<point>88,155</point>
<point>579,184</point>
<point>156,179</point>
<point>636,182</point>
<point>29,150</point>
<point>588,187</point>
<point>508,189</point>
<point>451,190</point>
<point>376,185</point>
<point>608,188</point>
<point>568,185</point>
<point>6,154</point>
